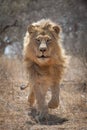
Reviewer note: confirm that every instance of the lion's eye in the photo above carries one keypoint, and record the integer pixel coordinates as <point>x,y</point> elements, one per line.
<point>37,40</point>
<point>48,40</point>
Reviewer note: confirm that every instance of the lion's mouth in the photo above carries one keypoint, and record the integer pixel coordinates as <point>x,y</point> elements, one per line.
<point>43,56</point>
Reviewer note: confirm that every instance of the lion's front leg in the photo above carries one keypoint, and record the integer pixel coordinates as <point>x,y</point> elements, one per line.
<point>40,92</point>
<point>54,102</point>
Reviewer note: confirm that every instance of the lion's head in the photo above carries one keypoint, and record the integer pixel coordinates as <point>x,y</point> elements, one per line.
<point>41,44</point>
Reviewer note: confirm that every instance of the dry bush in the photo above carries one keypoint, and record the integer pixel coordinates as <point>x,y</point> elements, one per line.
<point>13,69</point>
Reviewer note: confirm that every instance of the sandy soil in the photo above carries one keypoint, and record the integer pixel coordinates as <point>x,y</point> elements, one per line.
<point>15,113</point>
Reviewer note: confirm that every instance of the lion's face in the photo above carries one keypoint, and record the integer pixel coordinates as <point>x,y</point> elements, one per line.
<point>43,44</point>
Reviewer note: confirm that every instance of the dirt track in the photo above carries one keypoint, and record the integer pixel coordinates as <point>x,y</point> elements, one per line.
<point>15,113</point>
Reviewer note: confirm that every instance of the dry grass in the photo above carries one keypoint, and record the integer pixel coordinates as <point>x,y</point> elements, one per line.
<point>15,113</point>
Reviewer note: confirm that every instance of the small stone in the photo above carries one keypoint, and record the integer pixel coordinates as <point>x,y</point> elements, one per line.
<point>7,39</point>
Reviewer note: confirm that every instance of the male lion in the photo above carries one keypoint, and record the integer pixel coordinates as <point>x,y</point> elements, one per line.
<point>45,63</point>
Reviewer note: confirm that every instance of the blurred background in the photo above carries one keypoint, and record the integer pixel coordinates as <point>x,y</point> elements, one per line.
<point>15,16</point>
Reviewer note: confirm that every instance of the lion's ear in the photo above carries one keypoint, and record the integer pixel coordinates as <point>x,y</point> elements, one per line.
<point>57,29</point>
<point>31,29</point>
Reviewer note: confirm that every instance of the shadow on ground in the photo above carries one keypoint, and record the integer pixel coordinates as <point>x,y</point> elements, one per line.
<point>51,120</point>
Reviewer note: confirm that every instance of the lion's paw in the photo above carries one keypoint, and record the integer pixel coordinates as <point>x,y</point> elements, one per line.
<point>53,104</point>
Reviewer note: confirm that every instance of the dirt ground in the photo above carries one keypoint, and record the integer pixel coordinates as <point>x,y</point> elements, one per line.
<point>15,113</point>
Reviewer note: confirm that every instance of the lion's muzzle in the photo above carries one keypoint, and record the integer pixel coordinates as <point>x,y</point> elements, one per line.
<point>43,46</point>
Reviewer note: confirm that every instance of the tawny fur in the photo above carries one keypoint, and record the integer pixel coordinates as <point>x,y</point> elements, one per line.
<point>44,73</point>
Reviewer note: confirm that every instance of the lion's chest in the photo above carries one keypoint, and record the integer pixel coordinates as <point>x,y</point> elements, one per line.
<point>45,77</point>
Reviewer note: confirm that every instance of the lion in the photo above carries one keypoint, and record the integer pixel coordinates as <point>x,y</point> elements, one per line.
<point>45,63</point>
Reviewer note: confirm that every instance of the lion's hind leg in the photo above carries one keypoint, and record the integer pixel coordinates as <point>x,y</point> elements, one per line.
<point>31,98</point>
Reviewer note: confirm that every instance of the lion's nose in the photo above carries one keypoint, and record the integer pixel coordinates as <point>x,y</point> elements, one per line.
<point>43,46</point>
<point>43,49</point>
